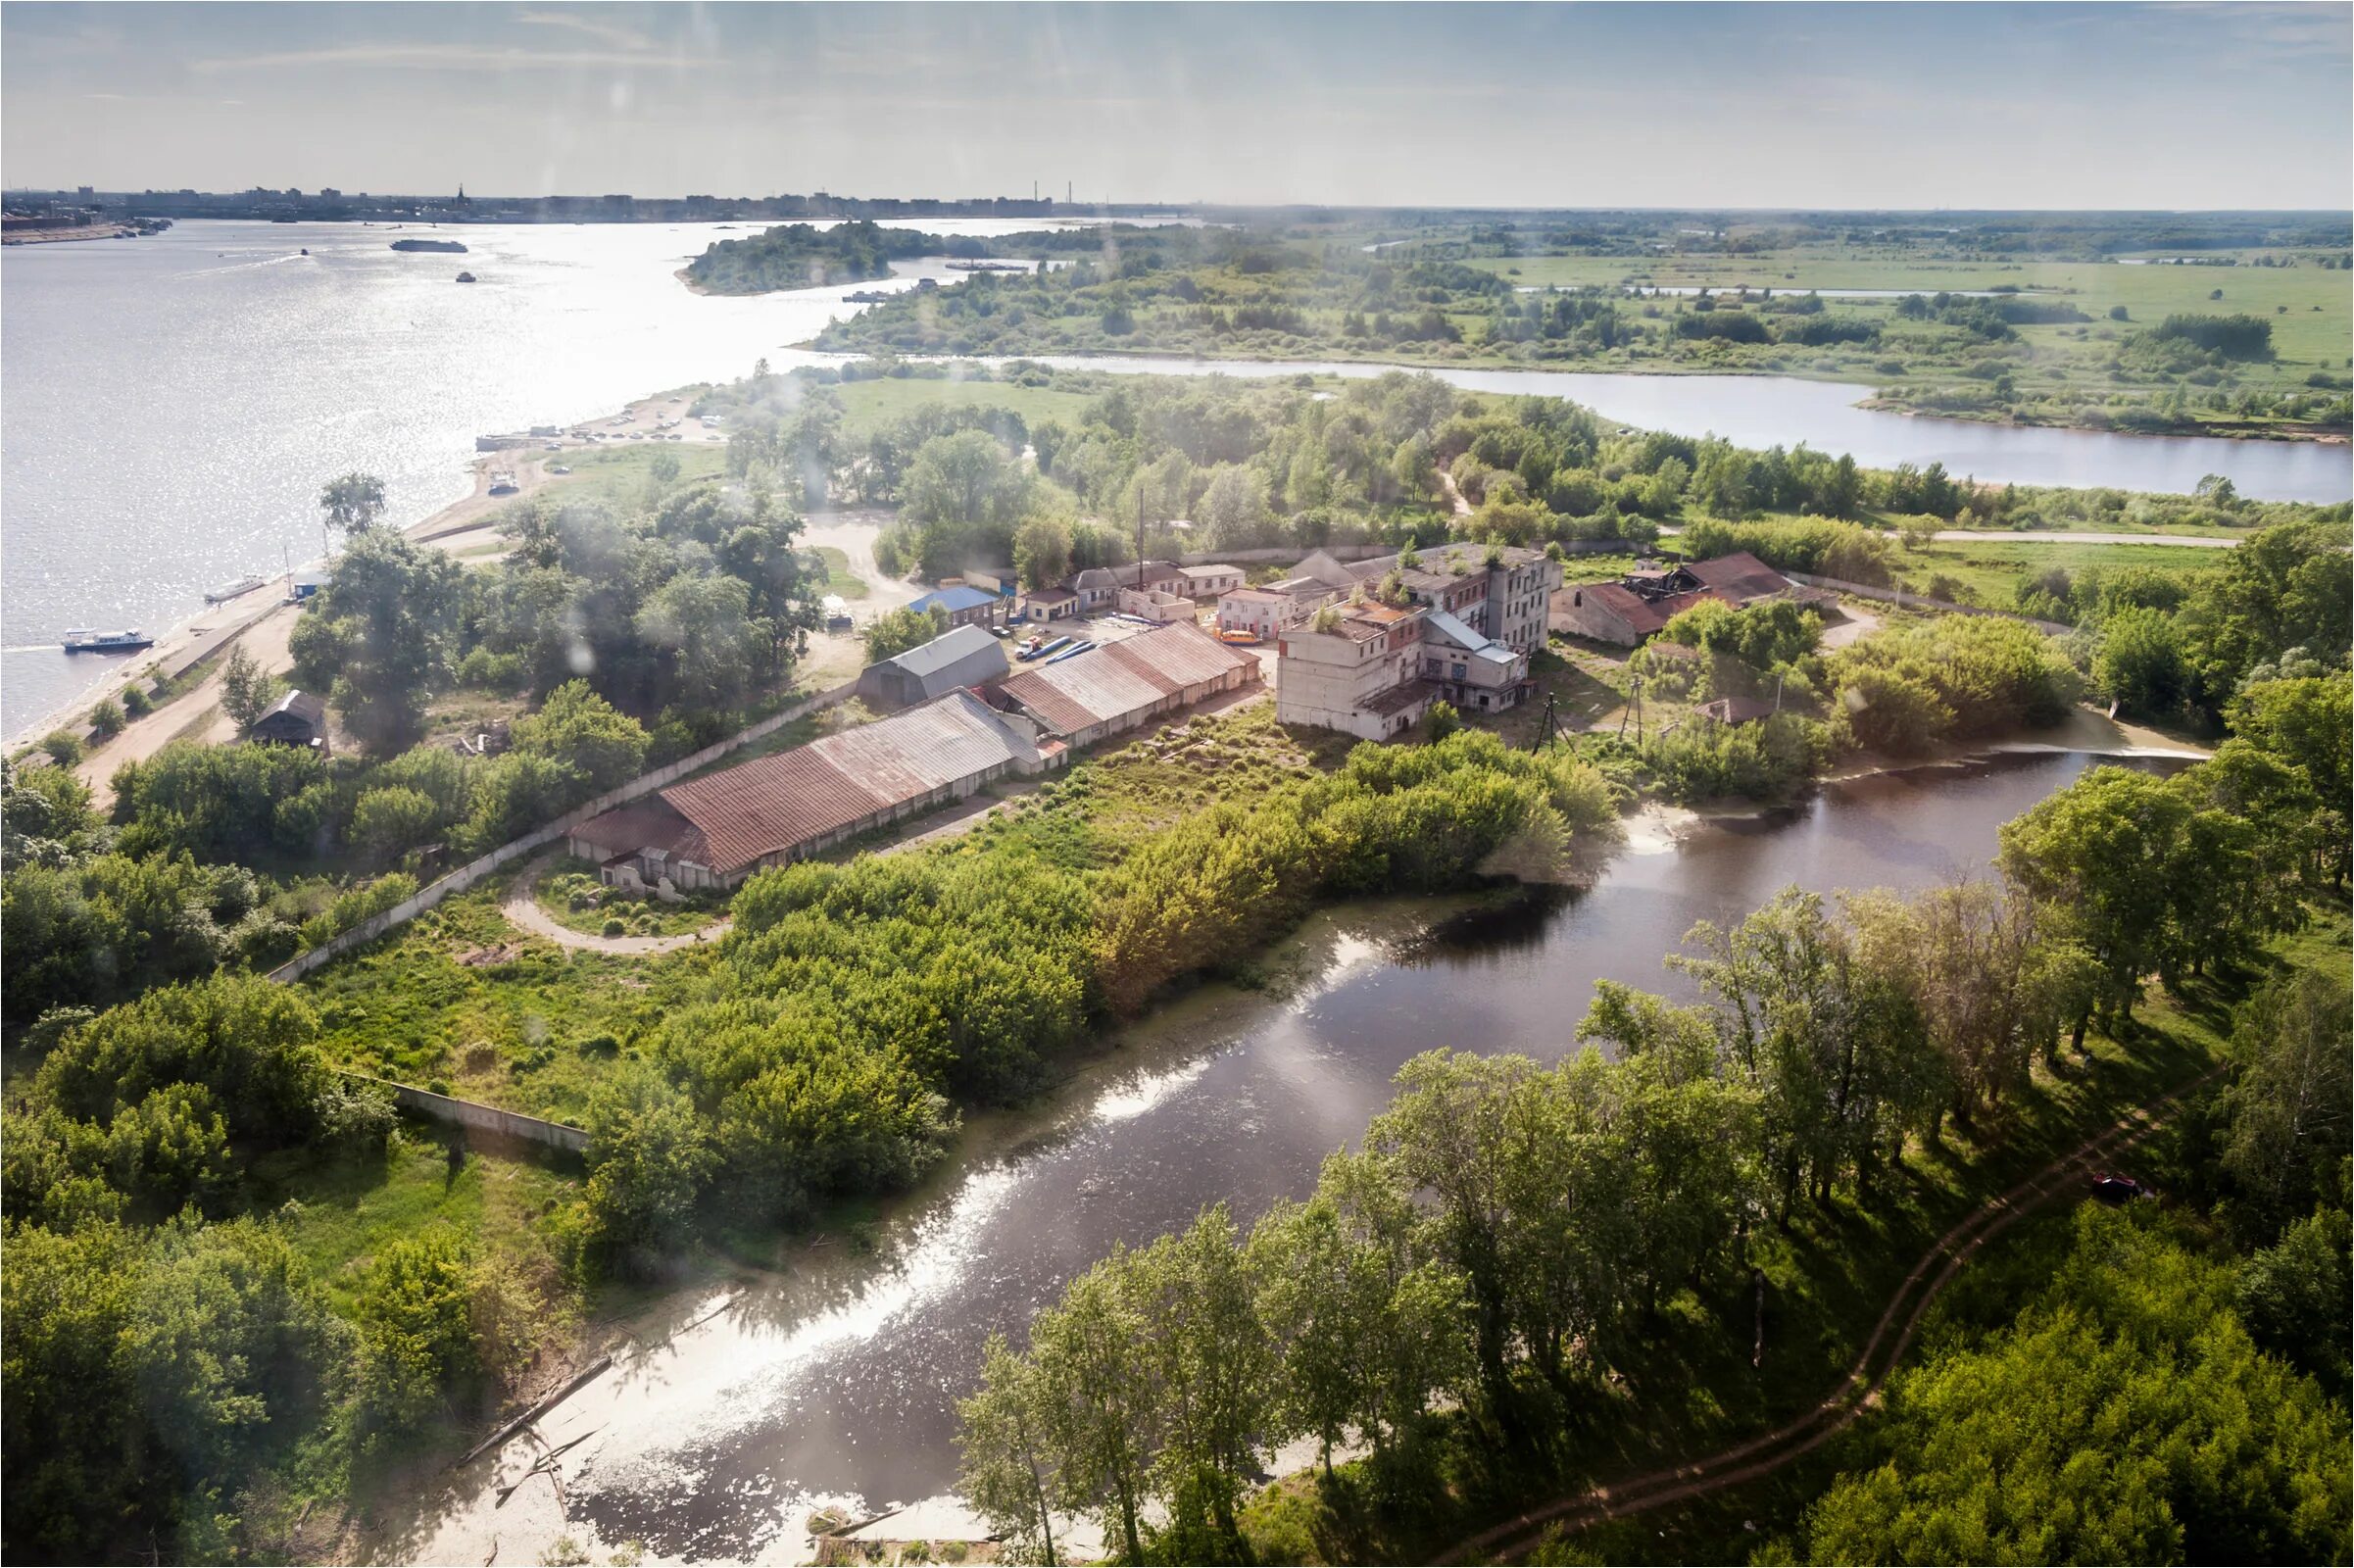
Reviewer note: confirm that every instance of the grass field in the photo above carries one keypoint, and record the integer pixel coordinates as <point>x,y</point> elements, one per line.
<point>840,580</point>
<point>868,406</point>
<point>619,474</point>
<point>1994,569</point>
<point>2311,309</point>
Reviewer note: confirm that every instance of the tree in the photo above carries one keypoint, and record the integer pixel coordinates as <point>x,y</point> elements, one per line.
<point>1095,1389</point>
<point>1008,1469</point>
<point>395,611</point>
<point>2288,1132</point>
<point>582,730</point>
<point>895,631</point>
<point>710,645</point>
<point>1041,551</point>
<point>2140,662</point>
<point>247,691</point>
<point>2105,850</point>
<point>387,823</point>
<point>353,503</point>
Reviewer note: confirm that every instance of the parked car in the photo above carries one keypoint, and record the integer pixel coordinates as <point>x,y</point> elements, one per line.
<point>2115,1188</point>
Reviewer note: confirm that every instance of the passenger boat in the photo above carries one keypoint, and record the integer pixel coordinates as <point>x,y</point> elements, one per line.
<point>231,590</point>
<point>82,640</point>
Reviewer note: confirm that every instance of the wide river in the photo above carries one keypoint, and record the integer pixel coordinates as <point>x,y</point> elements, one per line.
<point>175,403</point>
<point>711,1442</point>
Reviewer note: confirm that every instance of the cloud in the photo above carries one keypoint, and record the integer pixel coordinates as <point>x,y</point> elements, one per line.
<point>618,38</point>
<point>449,57</point>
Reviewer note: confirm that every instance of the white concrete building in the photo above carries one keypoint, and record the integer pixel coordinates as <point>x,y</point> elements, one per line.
<point>1355,668</point>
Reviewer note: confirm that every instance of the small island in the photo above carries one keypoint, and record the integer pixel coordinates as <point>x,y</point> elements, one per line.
<point>449,245</point>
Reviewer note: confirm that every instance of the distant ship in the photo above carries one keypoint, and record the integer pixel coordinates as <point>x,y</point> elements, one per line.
<point>232,590</point>
<point>82,640</point>
<point>428,245</point>
<point>465,277</point>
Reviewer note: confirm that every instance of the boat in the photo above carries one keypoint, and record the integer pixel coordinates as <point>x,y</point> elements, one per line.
<point>82,640</point>
<point>231,590</point>
<point>449,245</point>
<point>465,277</point>
<point>306,250</point>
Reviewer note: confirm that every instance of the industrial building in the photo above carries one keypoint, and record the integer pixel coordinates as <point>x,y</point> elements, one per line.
<point>717,830</point>
<point>1116,686</point>
<point>965,656</point>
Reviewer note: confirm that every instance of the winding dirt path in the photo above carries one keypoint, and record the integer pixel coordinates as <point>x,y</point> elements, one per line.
<point>1858,1392</point>
<point>522,909</point>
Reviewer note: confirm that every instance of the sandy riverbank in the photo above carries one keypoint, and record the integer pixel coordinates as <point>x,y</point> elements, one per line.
<point>261,623</point>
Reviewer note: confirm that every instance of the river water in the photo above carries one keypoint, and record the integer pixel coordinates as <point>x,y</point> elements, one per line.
<point>711,1443</point>
<point>175,403</point>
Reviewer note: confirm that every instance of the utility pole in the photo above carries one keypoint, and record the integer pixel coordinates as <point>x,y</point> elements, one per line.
<point>1139,533</point>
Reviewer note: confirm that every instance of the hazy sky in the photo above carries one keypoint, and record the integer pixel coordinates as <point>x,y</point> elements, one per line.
<point>1879,105</point>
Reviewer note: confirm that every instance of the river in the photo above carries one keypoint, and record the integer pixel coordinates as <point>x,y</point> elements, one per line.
<point>177,401</point>
<point>711,1443</point>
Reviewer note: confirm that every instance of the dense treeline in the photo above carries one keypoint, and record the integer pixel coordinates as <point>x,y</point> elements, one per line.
<point>177,1378</point>
<point>853,1004</point>
<point>800,256</point>
<point>679,609</point>
<point>1460,1294</point>
<point>213,852</point>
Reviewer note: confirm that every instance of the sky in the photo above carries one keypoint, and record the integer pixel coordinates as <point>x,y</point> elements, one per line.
<point>1906,106</point>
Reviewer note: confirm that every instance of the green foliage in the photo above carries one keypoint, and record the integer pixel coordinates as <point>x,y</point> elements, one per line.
<point>580,730</point>
<point>791,256</point>
<point>1907,687</point>
<point>895,631</point>
<point>2125,1417</point>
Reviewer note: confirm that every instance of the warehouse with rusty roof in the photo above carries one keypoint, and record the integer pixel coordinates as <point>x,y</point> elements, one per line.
<point>1116,686</point>
<point>717,830</point>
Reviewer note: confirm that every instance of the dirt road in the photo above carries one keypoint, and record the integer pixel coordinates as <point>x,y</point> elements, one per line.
<point>1855,1393</point>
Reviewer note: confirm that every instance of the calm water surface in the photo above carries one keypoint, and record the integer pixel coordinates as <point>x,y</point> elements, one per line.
<point>175,403</point>
<point>840,1384</point>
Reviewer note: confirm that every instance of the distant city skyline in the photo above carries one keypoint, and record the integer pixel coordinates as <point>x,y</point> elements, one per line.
<point>1758,107</point>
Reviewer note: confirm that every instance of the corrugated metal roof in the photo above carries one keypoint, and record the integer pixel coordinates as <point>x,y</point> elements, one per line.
<point>963,597</point>
<point>947,648</point>
<point>1122,678</point>
<point>774,804</point>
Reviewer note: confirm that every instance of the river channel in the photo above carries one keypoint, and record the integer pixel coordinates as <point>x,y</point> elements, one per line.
<point>712,1439</point>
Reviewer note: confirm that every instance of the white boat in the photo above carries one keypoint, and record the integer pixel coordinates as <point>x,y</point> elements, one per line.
<point>82,640</point>
<point>232,590</point>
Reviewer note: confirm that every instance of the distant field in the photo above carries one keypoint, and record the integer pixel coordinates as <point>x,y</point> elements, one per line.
<point>1993,570</point>
<point>619,472</point>
<point>840,580</point>
<point>867,406</point>
<point>2305,337</point>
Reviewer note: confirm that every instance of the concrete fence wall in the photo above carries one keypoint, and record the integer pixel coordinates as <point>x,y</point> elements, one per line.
<point>1289,554</point>
<point>1890,595</point>
<point>474,872</point>
<point>483,1118</point>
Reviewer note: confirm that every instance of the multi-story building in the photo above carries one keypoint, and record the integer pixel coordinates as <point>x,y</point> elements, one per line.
<point>1354,667</point>
<point>1504,591</point>
<point>1470,669</point>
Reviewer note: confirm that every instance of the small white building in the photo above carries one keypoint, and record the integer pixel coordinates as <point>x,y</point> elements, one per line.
<point>1208,582</point>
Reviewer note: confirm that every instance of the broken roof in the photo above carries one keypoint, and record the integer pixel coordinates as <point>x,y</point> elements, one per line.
<point>1740,578</point>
